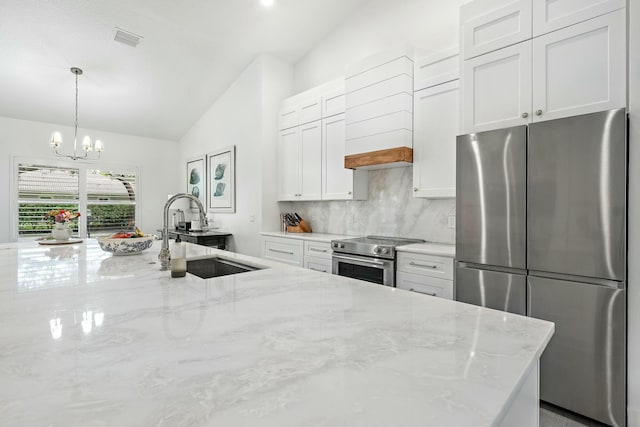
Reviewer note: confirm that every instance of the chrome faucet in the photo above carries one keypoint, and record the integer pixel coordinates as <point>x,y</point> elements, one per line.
<point>165,255</point>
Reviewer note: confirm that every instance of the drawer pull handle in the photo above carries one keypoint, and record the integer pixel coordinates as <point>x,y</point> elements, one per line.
<point>426,293</point>
<point>317,269</point>
<point>324,251</point>
<point>281,252</point>
<point>415,264</point>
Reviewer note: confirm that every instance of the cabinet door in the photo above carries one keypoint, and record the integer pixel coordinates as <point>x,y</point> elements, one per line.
<point>333,102</point>
<point>436,126</point>
<point>551,15</point>
<point>580,69</point>
<point>310,143</point>
<point>288,165</point>
<point>496,29</point>
<point>496,89</point>
<point>288,116</point>
<point>337,182</point>
<point>322,265</point>
<point>310,109</point>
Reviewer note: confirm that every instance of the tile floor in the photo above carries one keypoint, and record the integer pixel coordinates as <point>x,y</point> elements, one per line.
<point>551,416</point>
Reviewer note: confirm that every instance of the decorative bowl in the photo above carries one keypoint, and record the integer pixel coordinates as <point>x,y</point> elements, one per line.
<point>131,246</point>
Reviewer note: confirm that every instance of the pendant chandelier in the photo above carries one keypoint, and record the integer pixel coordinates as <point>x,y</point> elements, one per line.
<point>87,145</point>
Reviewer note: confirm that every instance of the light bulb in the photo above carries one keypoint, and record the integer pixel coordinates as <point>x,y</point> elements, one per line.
<point>267,3</point>
<point>86,143</point>
<point>56,139</point>
<point>98,146</point>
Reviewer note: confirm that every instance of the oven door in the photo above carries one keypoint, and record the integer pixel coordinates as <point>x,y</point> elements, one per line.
<point>374,270</point>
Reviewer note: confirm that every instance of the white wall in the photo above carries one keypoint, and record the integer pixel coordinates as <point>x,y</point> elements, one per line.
<point>429,25</point>
<point>154,158</point>
<point>245,116</point>
<point>634,218</point>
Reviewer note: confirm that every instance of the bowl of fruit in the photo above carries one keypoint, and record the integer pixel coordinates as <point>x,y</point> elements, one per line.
<point>126,243</point>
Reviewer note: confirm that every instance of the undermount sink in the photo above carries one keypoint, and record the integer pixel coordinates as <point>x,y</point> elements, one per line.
<point>207,268</point>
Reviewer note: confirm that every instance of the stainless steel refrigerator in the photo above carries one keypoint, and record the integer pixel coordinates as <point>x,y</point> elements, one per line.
<point>541,231</point>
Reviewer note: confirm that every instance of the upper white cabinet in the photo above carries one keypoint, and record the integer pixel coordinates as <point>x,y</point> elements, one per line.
<point>300,109</point>
<point>496,89</point>
<point>489,25</point>
<point>580,69</point>
<point>311,152</point>
<point>434,146</point>
<point>551,15</point>
<point>437,68</point>
<point>339,183</point>
<point>300,163</point>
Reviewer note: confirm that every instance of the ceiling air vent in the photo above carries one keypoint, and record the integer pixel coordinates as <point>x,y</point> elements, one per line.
<point>127,37</point>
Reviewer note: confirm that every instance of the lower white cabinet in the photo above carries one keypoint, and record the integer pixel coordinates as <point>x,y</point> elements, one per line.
<point>322,265</point>
<point>296,251</point>
<point>426,274</point>
<point>288,251</point>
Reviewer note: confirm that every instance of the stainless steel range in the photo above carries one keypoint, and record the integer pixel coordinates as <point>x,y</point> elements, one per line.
<point>371,258</point>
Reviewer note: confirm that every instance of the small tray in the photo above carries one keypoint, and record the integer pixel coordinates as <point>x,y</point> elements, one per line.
<point>53,242</point>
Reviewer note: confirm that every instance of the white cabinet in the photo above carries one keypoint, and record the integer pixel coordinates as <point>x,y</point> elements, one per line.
<point>317,256</point>
<point>437,68</point>
<point>311,155</point>
<point>300,163</point>
<point>580,69</point>
<point>436,126</point>
<point>288,251</point>
<point>575,70</point>
<point>425,274</point>
<point>551,15</point>
<point>289,164</point>
<point>300,109</point>
<point>496,89</point>
<point>339,183</point>
<point>296,251</point>
<point>310,161</point>
<point>489,25</point>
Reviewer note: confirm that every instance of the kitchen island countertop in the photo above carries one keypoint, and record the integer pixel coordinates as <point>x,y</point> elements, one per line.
<point>89,339</point>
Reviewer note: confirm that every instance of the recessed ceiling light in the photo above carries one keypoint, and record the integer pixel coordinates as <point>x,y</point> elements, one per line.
<point>267,3</point>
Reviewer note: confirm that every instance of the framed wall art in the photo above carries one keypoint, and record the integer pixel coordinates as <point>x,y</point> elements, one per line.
<point>197,180</point>
<point>222,180</point>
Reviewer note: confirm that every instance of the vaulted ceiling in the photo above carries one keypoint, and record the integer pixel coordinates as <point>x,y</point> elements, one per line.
<point>191,52</point>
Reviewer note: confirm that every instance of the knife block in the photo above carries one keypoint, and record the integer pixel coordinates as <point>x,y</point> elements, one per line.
<point>303,227</point>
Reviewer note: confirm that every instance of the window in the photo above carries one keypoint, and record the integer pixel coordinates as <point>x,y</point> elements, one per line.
<point>106,199</point>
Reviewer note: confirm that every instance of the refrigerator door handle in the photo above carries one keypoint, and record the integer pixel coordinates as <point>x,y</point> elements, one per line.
<point>495,268</point>
<point>611,284</point>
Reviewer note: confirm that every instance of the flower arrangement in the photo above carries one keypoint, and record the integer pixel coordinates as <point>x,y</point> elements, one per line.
<point>61,216</point>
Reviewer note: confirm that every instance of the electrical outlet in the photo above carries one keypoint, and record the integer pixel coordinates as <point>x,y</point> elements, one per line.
<point>451,221</point>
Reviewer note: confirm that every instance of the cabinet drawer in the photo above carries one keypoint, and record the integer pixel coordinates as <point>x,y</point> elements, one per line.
<point>425,285</point>
<point>427,265</point>
<point>322,265</point>
<point>317,249</point>
<point>436,69</point>
<point>289,251</point>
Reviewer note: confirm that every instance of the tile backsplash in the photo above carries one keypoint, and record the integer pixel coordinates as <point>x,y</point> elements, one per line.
<point>390,210</point>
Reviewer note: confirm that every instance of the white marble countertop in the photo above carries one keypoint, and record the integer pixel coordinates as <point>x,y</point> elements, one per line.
<point>438,249</point>
<point>94,340</point>
<point>315,237</point>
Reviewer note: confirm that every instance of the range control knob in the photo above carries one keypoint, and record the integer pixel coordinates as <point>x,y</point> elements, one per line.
<point>335,245</point>
<point>341,245</point>
<point>384,250</point>
<point>376,250</point>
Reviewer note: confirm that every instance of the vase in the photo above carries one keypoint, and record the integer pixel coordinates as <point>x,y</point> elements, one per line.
<point>61,231</point>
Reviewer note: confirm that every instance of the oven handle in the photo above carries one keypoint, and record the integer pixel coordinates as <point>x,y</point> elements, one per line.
<point>376,264</point>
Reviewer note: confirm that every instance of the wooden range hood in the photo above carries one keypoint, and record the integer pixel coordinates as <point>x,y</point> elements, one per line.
<point>381,159</point>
